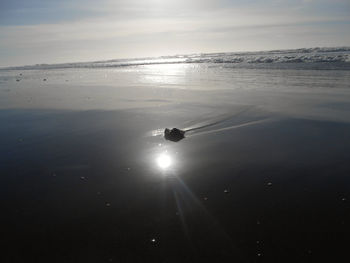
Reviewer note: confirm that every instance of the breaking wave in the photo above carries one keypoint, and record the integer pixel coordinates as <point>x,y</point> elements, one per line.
<point>338,57</point>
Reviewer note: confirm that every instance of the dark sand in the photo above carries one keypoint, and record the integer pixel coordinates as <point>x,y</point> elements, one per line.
<point>84,186</point>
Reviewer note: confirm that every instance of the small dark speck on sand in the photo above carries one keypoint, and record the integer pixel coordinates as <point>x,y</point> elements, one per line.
<point>17,80</point>
<point>44,79</point>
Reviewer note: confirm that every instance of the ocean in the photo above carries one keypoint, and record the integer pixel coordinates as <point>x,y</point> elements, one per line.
<point>262,174</point>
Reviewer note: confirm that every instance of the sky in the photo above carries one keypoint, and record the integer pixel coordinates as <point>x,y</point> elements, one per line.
<point>59,31</point>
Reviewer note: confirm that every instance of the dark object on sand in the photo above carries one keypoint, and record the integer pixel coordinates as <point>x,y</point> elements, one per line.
<point>174,134</point>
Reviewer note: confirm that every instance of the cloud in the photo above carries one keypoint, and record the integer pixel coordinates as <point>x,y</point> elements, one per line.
<point>121,28</point>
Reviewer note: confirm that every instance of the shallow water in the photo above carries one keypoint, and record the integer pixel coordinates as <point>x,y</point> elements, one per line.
<point>87,177</point>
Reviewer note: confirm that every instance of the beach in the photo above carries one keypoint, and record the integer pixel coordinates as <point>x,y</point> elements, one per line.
<point>87,176</point>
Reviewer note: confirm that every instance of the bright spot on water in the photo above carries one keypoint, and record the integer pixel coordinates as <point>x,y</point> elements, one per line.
<point>157,132</point>
<point>164,161</point>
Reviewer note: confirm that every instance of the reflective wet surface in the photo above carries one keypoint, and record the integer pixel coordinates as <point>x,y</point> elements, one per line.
<point>261,176</point>
<point>73,191</point>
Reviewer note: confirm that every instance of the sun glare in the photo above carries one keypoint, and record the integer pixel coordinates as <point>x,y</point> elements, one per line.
<point>164,161</point>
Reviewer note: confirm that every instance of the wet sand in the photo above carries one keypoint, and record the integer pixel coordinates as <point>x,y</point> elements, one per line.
<point>87,186</point>
<point>86,175</point>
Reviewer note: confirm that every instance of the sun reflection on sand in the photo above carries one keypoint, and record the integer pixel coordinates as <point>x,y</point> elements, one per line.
<point>167,74</point>
<point>164,161</point>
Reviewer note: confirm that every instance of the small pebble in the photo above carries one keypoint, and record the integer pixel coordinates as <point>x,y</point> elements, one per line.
<point>153,240</point>
<point>259,255</point>
<point>269,184</point>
